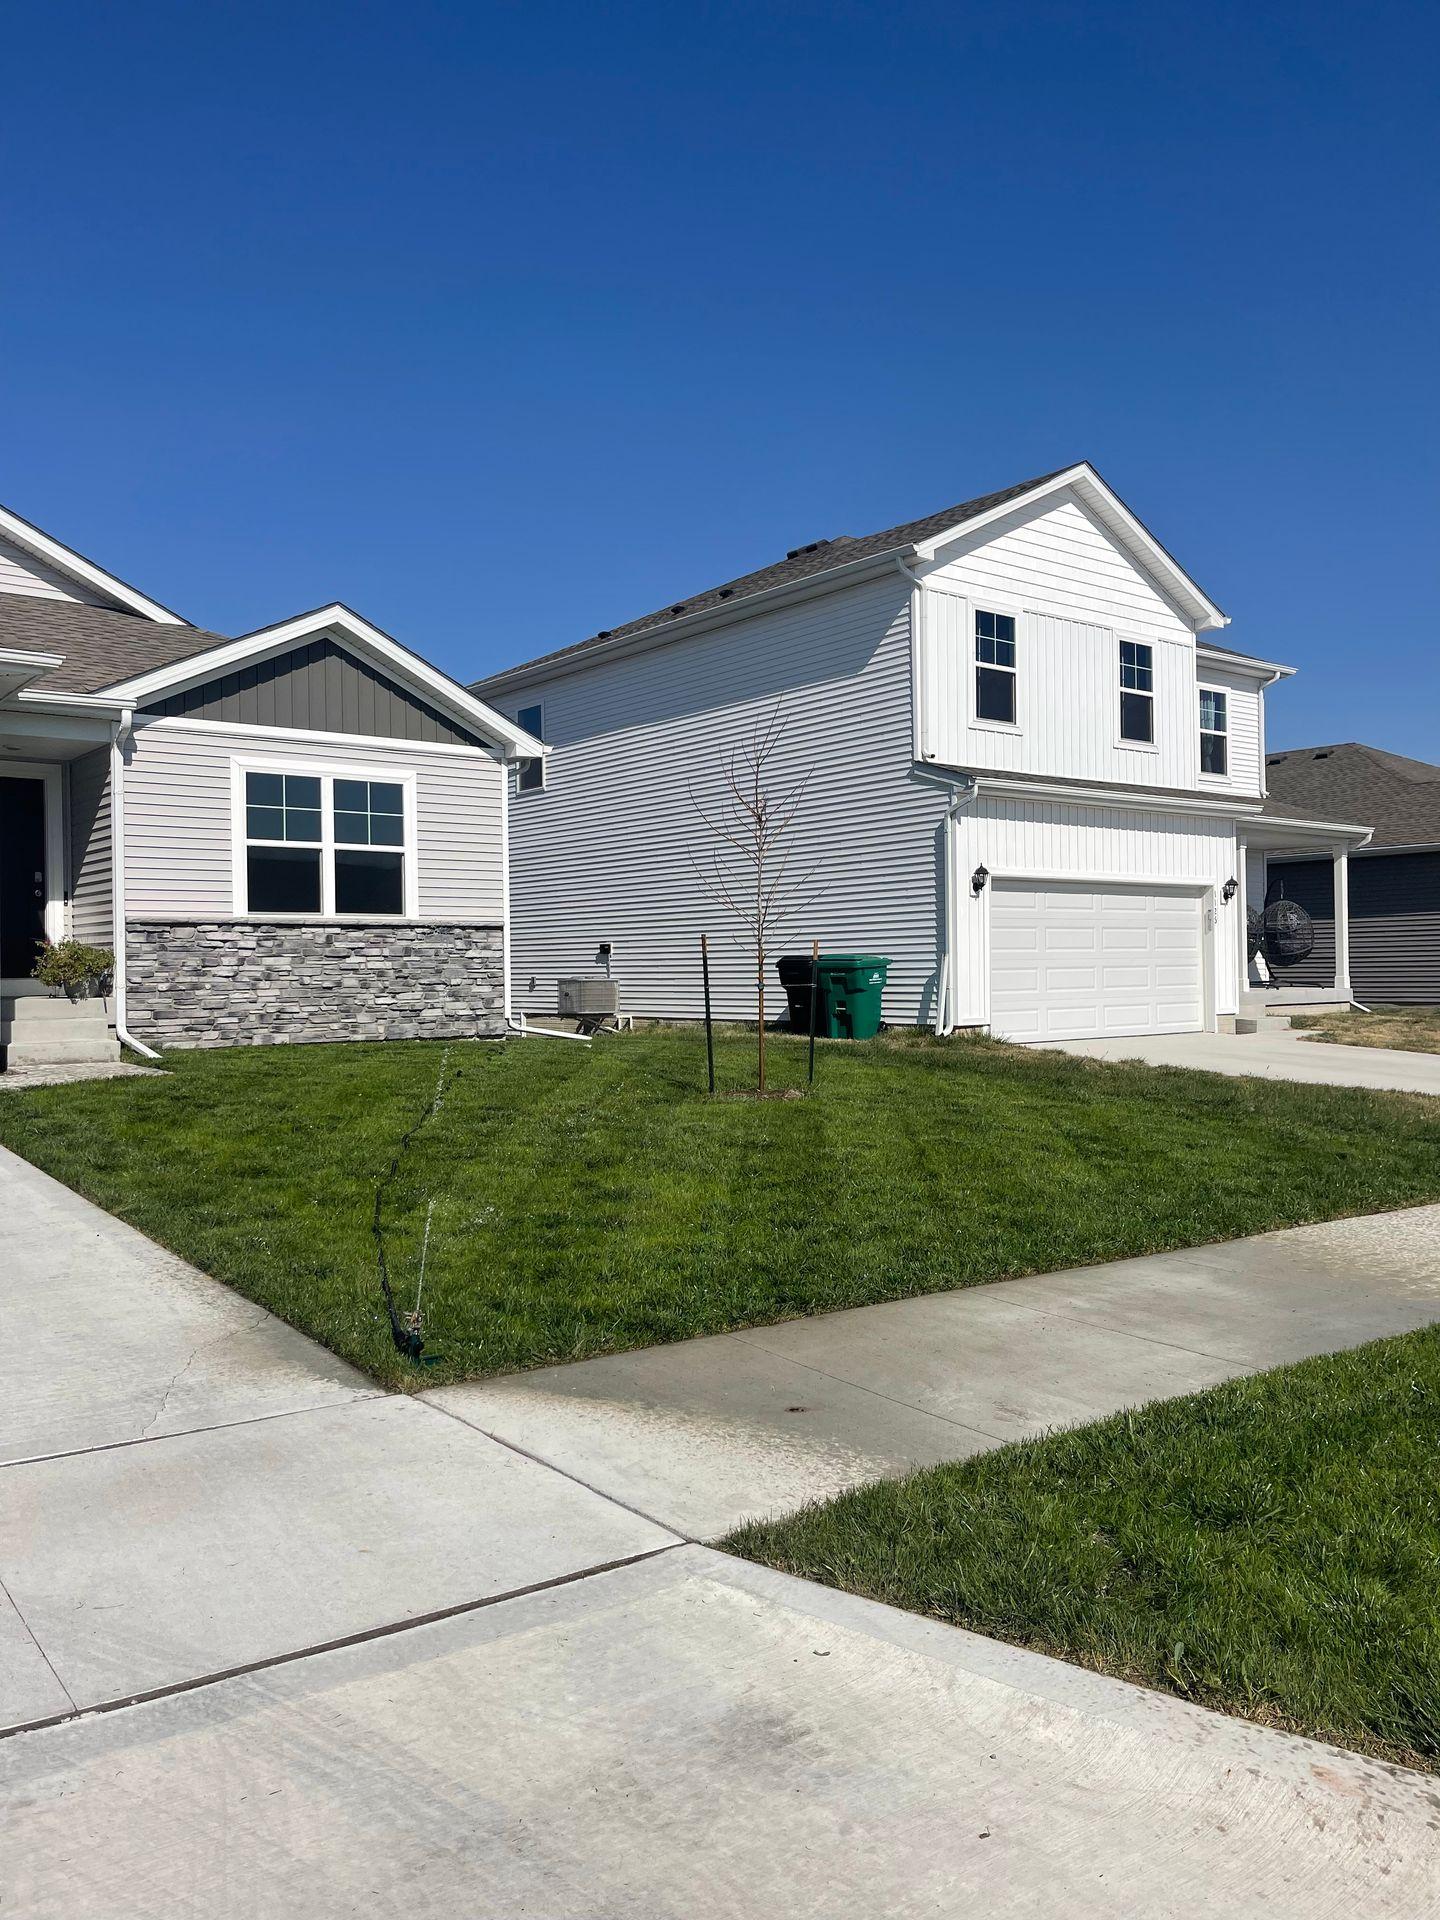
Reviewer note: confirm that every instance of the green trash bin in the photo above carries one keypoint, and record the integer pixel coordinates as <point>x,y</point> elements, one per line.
<point>848,990</point>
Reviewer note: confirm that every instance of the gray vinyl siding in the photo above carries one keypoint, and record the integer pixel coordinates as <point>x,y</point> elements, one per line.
<point>91,878</point>
<point>1311,885</point>
<point>608,849</point>
<point>178,830</point>
<point>1395,928</point>
<point>322,688</point>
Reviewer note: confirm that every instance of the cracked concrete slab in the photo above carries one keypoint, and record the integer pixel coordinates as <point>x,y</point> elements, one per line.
<point>111,1339</point>
<point>149,1566</point>
<point>697,1739</point>
<point>710,1433</point>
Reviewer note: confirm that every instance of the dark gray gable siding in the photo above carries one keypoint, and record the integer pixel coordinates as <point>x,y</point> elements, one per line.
<point>320,687</point>
<point>1394,925</point>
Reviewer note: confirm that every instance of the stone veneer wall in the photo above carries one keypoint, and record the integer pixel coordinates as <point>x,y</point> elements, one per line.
<point>235,983</point>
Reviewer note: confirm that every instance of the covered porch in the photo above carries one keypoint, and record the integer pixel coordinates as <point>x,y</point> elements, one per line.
<point>56,878</point>
<point>1308,862</point>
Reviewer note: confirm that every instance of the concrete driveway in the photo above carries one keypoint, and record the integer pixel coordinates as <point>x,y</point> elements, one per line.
<point>274,1643</point>
<point>1284,1054</point>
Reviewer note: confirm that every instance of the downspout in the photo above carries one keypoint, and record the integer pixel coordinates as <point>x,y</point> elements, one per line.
<point>121,734</point>
<point>516,1023</point>
<point>964,791</point>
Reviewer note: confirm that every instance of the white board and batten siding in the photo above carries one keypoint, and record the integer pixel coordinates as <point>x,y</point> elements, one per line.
<point>1128,855</point>
<point>179,805</point>
<point>1074,594</point>
<point>608,850</point>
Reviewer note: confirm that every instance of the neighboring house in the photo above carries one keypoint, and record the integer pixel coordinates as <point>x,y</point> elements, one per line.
<point>1394,883</point>
<point>294,835</point>
<point>1034,779</point>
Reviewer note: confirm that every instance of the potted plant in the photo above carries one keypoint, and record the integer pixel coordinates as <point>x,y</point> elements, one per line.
<point>72,968</point>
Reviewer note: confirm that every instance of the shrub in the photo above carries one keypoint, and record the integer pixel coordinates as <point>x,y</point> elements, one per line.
<point>78,969</point>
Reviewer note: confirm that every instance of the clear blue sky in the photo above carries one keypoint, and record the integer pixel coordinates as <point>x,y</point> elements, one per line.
<point>507,323</point>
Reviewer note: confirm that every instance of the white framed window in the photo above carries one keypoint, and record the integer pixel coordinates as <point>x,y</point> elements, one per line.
<point>1137,693</point>
<point>323,843</point>
<point>1214,732</point>
<point>996,691</point>
<point>531,775</point>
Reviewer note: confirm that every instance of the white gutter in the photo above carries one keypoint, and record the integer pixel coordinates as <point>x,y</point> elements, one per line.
<point>117,879</point>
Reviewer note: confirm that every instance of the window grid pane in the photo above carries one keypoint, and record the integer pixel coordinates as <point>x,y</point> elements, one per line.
<point>282,806</point>
<point>369,813</point>
<point>1212,711</point>
<point>1136,667</point>
<point>1137,716</point>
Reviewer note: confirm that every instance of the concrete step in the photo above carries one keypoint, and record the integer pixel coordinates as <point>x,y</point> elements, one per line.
<point>48,1010</point>
<point>61,1050</point>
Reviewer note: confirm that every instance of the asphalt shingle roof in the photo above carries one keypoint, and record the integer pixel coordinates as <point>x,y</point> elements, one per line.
<point>801,563</point>
<point>1399,798</point>
<point>100,647</point>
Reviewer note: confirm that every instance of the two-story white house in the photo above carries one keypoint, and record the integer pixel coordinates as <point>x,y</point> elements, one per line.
<point>1036,783</point>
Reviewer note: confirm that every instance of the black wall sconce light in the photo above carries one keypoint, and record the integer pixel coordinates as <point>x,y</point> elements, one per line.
<point>1229,891</point>
<point>978,879</point>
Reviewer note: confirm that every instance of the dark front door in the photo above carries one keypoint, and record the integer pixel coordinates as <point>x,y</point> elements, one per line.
<point>22,876</point>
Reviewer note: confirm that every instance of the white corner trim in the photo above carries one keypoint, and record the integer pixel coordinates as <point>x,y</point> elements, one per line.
<point>398,660</point>
<point>65,560</point>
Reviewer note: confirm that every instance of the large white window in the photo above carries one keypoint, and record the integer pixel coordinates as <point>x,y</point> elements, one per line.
<point>324,844</point>
<point>1214,731</point>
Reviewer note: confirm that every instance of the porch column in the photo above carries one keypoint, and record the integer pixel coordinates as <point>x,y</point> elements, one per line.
<point>1341,862</point>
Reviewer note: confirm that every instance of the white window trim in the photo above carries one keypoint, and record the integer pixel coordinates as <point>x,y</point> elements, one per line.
<point>1151,745</point>
<point>327,775</point>
<point>1214,779</point>
<point>531,706</point>
<point>1013,612</point>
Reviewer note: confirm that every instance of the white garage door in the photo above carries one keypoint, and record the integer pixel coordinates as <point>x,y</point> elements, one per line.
<point>1078,962</point>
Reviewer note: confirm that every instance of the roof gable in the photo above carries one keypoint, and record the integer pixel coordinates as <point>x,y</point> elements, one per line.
<point>317,686</point>
<point>56,561</point>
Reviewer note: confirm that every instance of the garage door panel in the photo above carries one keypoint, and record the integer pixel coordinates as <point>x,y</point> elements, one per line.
<point>1144,974</point>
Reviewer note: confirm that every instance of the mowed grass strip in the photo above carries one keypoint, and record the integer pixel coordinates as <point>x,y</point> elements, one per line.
<point>589,1199</point>
<point>1270,1547</point>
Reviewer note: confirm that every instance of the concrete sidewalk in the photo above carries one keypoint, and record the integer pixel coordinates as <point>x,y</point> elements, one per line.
<point>274,1643</point>
<point>697,1739</point>
<point>1283,1054</point>
<point>707,1434</point>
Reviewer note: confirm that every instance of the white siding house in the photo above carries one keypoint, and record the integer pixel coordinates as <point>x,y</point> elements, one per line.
<point>1030,777</point>
<point>296,835</point>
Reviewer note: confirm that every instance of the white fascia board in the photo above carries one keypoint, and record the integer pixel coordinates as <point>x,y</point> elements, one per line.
<point>23,657</point>
<point>1319,829</point>
<point>1267,670</point>
<point>336,618</point>
<point>1143,800</point>
<point>66,561</point>
<point>1086,482</point>
<point>48,700</point>
<point>555,667</point>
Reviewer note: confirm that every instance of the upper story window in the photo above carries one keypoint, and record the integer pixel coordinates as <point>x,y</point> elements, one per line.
<point>1214,731</point>
<point>532,772</point>
<point>1137,691</point>
<point>995,667</point>
<point>322,844</point>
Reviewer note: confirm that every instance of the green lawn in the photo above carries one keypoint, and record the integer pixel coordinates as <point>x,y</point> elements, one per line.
<point>1413,1029</point>
<point>1270,1547</point>
<point>591,1199</point>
